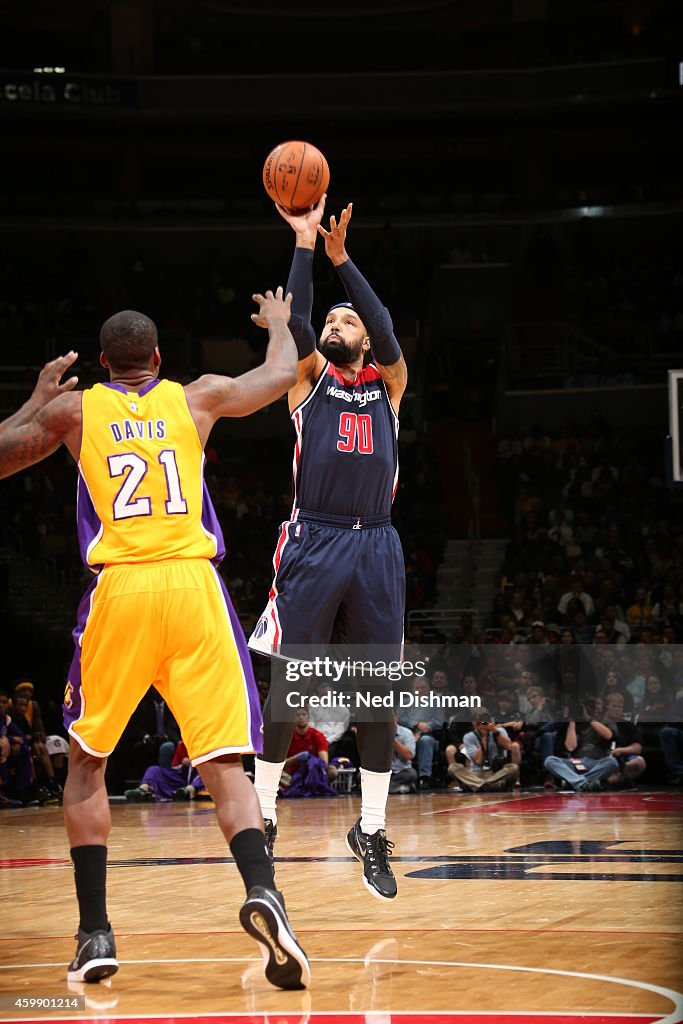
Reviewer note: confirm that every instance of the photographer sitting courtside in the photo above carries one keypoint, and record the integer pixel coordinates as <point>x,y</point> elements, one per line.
<point>629,749</point>
<point>588,741</point>
<point>487,748</point>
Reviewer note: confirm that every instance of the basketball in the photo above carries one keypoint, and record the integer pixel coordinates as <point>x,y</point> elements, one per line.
<point>296,175</point>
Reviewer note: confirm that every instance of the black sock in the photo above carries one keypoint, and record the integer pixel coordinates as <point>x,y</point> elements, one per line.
<point>248,847</point>
<point>277,734</point>
<point>90,870</point>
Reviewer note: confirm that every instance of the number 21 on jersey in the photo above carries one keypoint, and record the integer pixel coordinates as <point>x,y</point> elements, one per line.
<point>355,432</point>
<point>135,469</point>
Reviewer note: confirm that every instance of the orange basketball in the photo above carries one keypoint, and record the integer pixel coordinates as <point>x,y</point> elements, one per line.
<point>296,175</point>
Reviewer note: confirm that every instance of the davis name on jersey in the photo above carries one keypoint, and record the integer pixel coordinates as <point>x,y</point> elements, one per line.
<point>128,430</point>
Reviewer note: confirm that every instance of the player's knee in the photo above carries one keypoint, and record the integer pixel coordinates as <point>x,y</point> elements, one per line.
<point>635,767</point>
<point>81,761</point>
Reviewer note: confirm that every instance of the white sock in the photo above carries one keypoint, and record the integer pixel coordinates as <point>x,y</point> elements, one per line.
<point>374,791</point>
<point>266,783</point>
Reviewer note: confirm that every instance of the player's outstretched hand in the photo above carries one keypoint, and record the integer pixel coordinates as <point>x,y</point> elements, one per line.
<point>335,238</point>
<point>48,385</point>
<point>272,307</point>
<point>304,224</point>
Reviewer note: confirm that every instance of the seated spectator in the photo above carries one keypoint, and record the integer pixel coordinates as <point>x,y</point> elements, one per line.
<point>16,766</point>
<point>640,613</point>
<point>613,684</point>
<point>576,593</point>
<point>629,748</point>
<point>588,743</point>
<point>539,634</point>
<point>487,748</point>
<point>525,680</point>
<point>427,729</point>
<point>670,620</point>
<point>538,734</point>
<point>637,677</point>
<point>307,742</point>
<point>505,636</point>
<point>600,635</point>
<point>517,610</point>
<point>508,717</point>
<point>671,742</point>
<point>439,682</point>
<point>541,708</point>
<point>608,632</point>
<point>618,626</point>
<point>178,782</point>
<point>403,775</point>
<point>26,716</point>
<point>655,703</point>
<point>675,673</point>
<point>582,629</point>
<point>160,729</point>
<point>668,610</point>
<point>454,728</point>
<point>58,749</point>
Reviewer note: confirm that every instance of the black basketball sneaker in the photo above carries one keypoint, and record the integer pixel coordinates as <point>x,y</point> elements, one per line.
<point>263,916</point>
<point>373,851</point>
<point>95,956</point>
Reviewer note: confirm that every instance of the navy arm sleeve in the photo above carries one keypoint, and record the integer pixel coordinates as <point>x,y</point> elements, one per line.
<point>376,317</point>
<point>300,284</point>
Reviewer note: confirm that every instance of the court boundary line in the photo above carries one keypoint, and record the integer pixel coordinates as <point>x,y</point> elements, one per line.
<point>523,1014</point>
<point>530,797</point>
<point>354,1013</point>
<point>676,998</point>
<point>379,931</point>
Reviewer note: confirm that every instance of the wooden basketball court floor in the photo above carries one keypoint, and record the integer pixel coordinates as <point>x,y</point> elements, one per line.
<point>536,907</point>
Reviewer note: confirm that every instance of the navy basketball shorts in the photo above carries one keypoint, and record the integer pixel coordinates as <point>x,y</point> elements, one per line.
<point>339,579</point>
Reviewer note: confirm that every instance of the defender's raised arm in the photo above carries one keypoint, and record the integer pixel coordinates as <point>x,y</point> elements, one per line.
<point>50,418</point>
<point>213,396</point>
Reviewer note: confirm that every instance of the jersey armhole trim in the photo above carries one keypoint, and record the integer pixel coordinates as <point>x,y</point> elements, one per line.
<point>391,408</point>
<point>80,440</point>
<point>189,413</point>
<point>315,387</point>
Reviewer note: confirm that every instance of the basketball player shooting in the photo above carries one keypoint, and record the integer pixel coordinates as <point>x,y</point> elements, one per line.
<point>157,611</point>
<point>338,561</point>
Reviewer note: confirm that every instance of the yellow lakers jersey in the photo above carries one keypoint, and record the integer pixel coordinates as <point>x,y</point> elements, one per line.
<point>141,490</point>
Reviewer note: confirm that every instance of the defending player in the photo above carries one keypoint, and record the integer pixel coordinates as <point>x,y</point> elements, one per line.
<point>338,562</point>
<point>157,610</point>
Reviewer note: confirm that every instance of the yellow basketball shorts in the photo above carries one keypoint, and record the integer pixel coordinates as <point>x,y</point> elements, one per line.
<point>168,624</point>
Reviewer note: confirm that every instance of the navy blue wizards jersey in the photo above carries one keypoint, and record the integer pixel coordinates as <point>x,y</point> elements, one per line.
<point>346,451</point>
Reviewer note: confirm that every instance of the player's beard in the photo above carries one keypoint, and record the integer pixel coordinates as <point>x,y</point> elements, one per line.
<point>340,352</point>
